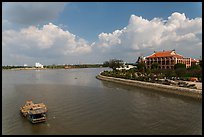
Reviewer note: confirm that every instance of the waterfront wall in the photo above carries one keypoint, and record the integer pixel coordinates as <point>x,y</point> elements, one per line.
<point>195,93</point>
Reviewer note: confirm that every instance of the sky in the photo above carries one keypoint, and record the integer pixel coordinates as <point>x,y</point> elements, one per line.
<point>94,32</point>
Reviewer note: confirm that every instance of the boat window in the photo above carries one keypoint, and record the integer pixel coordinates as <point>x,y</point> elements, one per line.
<point>37,116</point>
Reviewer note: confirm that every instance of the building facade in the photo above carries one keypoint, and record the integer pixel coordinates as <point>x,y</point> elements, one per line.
<point>166,59</point>
<point>38,65</point>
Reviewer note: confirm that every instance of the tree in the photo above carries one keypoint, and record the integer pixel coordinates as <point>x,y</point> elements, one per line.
<point>200,63</point>
<point>179,65</point>
<point>155,66</point>
<point>114,63</point>
<point>148,71</point>
<point>180,69</point>
<point>106,64</point>
<point>141,67</point>
<point>169,73</point>
<point>194,67</point>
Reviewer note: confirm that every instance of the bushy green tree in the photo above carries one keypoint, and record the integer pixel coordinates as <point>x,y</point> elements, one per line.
<point>200,63</point>
<point>106,64</point>
<point>179,65</point>
<point>115,63</point>
<point>141,67</point>
<point>180,69</point>
<point>194,67</point>
<point>155,66</point>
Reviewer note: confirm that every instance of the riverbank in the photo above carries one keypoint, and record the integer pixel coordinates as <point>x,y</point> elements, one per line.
<point>53,67</point>
<point>26,69</point>
<point>195,93</point>
<point>48,68</point>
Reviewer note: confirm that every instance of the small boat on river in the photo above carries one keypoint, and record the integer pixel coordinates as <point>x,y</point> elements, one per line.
<point>35,113</point>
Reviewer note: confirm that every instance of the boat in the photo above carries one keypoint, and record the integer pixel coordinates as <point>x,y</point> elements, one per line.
<point>35,113</point>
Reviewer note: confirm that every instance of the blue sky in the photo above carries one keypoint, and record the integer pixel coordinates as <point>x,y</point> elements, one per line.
<point>81,17</point>
<point>93,32</point>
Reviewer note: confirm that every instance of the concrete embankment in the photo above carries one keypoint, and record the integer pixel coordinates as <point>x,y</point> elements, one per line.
<point>195,93</point>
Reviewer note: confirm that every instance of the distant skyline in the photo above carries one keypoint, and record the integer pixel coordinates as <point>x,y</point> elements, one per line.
<point>93,32</point>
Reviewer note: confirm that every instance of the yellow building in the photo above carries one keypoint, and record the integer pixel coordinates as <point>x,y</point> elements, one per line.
<point>166,59</point>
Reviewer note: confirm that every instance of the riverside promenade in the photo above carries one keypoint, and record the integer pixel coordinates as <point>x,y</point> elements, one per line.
<point>195,93</point>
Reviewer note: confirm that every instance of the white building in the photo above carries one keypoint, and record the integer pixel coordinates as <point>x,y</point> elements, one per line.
<point>125,67</point>
<point>38,65</point>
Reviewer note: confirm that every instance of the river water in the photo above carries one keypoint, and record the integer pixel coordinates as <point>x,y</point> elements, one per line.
<point>78,103</point>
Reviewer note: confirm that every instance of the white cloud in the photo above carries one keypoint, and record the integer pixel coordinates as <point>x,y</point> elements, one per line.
<point>140,36</point>
<point>143,34</point>
<point>110,39</point>
<point>50,40</point>
<point>31,13</point>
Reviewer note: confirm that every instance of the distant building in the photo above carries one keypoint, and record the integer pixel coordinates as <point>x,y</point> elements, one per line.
<point>67,66</point>
<point>38,65</point>
<point>25,65</point>
<point>140,59</point>
<point>195,62</point>
<point>167,59</point>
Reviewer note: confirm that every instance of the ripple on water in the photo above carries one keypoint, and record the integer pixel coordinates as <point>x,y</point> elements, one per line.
<point>94,106</point>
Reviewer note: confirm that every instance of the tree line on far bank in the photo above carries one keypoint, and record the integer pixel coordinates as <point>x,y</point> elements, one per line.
<point>53,66</point>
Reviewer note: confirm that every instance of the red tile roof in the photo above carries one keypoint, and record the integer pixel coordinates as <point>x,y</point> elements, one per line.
<point>165,54</point>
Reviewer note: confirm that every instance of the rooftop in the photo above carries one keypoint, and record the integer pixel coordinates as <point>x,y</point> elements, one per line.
<point>170,53</point>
